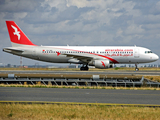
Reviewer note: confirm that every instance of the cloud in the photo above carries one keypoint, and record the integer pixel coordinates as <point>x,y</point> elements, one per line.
<point>18,6</point>
<point>134,29</point>
<point>84,22</point>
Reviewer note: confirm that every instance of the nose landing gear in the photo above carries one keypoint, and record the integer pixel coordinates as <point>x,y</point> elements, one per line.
<point>136,69</point>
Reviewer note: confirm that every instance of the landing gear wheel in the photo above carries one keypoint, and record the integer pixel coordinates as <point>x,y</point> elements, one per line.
<point>84,68</point>
<point>136,69</point>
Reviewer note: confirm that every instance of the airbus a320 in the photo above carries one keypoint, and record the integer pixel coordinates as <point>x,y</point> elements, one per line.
<point>102,57</point>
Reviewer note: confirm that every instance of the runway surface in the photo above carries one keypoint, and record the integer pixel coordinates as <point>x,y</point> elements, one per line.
<point>151,97</point>
<point>86,72</point>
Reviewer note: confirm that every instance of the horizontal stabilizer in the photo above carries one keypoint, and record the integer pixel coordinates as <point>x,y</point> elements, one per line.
<point>10,50</point>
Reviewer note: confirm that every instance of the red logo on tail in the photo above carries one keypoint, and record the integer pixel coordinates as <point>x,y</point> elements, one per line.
<point>16,32</point>
<point>103,63</point>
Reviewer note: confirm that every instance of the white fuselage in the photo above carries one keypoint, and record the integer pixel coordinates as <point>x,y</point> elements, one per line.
<point>75,54</point>
<point>100,56</point>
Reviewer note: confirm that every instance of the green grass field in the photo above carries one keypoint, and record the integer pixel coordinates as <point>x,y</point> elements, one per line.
<point>76,112</point>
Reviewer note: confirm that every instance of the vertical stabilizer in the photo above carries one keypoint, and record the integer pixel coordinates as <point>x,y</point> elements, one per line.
<point>17,37</point>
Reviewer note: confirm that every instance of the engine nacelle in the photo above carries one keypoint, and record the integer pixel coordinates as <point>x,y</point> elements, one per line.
<point>103,64</point>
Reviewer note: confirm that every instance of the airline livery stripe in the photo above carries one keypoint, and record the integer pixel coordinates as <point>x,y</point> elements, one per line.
<point>111,59</point>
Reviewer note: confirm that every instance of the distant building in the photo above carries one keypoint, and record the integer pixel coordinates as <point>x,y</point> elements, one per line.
<point>72,66</point>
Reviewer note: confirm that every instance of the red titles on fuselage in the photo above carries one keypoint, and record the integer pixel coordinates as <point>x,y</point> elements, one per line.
<point>119,52</point>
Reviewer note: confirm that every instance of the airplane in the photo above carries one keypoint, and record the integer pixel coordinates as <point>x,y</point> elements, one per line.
<point>102,57</point>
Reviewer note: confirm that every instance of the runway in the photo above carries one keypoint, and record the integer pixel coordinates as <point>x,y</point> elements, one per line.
<point>85,72</point>
<point>82,95</point>
<point>151,97</point>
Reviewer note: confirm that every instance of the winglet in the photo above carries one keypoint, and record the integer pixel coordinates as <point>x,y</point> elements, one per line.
<point>17,36</point>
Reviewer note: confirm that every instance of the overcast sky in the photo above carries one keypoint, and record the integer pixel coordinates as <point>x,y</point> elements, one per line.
<point>82,22</point>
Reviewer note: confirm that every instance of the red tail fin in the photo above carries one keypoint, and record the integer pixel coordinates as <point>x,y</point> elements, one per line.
<point>17,37</point>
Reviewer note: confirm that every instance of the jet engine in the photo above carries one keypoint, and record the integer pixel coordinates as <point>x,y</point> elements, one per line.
<point>102,64</point>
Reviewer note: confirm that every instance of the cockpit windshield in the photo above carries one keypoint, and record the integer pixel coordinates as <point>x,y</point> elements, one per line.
<point>148,51</point>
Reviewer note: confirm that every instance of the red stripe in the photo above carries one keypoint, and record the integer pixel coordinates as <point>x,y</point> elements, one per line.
<point>111,59</point>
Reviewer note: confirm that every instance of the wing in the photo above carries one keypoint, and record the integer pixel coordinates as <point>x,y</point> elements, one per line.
<point>85,57</point>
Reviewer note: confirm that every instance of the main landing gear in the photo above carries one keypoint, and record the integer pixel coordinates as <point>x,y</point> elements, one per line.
<point>136,69</point>
<point>84,68</point>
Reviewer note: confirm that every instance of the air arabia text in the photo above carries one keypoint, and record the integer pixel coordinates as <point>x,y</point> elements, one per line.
<point>119,52</point>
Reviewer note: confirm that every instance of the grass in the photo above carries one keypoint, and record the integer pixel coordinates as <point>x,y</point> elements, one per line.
<point>80,87</point>
<point>154,78</point>
<point>76,112</point>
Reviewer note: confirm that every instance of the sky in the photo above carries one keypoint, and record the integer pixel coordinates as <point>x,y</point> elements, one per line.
<point>83,23</point>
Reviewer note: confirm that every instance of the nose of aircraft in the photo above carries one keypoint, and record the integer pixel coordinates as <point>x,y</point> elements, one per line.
<point>156,57</point>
